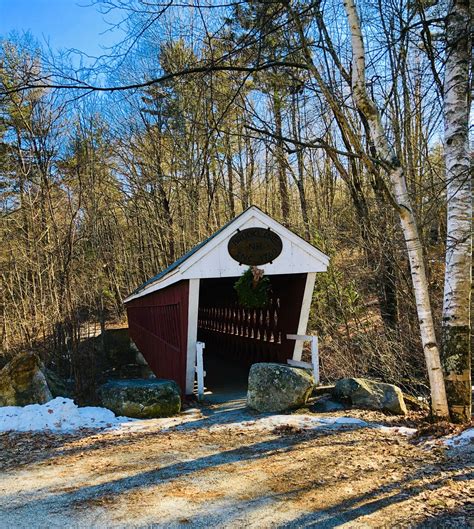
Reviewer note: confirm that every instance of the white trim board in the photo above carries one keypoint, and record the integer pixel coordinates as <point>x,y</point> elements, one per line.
<point>193,308</point>
<point>304,314</point>
<point>212,260</point>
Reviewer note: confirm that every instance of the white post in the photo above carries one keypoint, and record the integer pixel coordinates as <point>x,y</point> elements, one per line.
<point>200,368</point>
<point>315,358</point>
<point>304,313</point>
<point>314,353</point>
<point>193,310</point>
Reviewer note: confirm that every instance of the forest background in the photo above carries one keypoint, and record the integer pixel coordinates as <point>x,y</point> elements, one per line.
<point>113,168</point>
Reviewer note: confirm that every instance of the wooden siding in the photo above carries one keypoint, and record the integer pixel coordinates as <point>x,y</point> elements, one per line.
<point>250,335</point>
<point>158,324</point>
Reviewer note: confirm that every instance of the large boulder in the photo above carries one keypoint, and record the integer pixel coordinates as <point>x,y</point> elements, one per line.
<point>142,399</point>
<point>22,382</point>
<point>278,387</point>
<point>372,395</point>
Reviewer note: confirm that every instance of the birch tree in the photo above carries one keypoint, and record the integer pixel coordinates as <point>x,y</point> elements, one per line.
<point>385,152</point>
<point>458,275</point>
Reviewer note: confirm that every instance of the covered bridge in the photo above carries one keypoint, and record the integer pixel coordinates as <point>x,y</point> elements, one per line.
<point>194,300</point>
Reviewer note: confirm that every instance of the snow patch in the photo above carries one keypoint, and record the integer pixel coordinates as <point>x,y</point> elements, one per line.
<point>464,438</point>
<point>343,421</point>
<point>309,422</point>
<point>266,423</point>
<point>57,415</point>
<point>62,415</point>
<point>303,422</point>
<point>159,425</point>
<point>402,430</point>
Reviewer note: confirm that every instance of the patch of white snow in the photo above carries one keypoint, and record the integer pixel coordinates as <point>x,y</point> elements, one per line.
<point>304,422</point>
<point>309,422</point>
<point>343,421</point>
<point>403,430</point>
<point>160,424</point>
<point>57,415</point>
<point>464,438</point>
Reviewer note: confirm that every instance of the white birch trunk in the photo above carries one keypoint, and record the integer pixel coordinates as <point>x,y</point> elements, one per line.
<point>407,218</point>
<point>458,275</point>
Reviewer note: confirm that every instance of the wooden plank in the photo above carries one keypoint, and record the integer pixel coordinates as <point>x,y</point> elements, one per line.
<point>314,353</point>
<point>299,363</point>
<point>323,390</point>
<point>302,337</point>
<point>200,369</point>
<point>304,314</point>
<point>315,358</point>
<point>193,309</point>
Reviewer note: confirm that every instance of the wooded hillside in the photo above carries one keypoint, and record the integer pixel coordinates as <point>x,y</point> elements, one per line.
<point>326,115</point>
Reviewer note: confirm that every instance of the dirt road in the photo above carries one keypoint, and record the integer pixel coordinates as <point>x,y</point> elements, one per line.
<point>209,474</point>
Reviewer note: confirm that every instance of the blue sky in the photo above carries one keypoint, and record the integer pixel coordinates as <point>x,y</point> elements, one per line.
<point>63,23</point>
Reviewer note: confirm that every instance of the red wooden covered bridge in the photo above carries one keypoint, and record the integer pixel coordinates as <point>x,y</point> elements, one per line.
<point>194,300</point>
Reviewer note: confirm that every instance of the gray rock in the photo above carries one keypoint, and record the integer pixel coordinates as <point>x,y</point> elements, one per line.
<point>142,399</point>
<point>22,382</point>
<point>58,386</point>
<point>372,395</point>
<point>326,404</point>
<point>278,387</point>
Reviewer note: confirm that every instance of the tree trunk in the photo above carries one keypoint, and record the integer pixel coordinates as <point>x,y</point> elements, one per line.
<point>457,280</point>
<point>281,165</point>
<point>407,219</point>
<point>301,171</point>
<point>230,177</point>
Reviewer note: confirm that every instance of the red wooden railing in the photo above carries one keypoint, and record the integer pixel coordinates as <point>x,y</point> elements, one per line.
<point>250,335</point>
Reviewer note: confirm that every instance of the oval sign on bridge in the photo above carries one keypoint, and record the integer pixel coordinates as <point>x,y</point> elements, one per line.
<point>255,246</point>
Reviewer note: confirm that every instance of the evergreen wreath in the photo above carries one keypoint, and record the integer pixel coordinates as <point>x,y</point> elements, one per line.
<point>253,288</point>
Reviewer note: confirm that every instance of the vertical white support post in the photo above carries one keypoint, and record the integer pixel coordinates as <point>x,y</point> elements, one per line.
<point>314,354</point>
<point>193,308</point>
<point>315,358</point>
<point>304,313</point>
<point>200,369</point>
